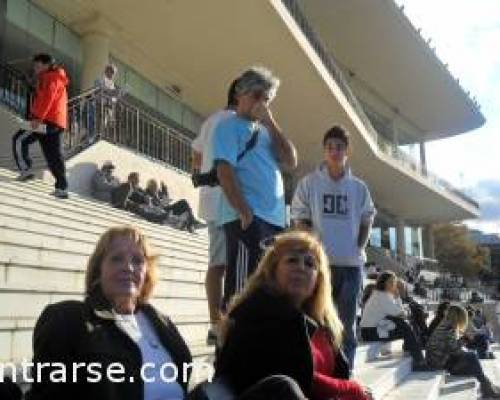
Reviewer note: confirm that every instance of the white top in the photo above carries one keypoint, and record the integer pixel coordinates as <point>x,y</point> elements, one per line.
<point>379,305</point>
<point>209,196</point>
<point>336,208</point>
<point>140,330</point>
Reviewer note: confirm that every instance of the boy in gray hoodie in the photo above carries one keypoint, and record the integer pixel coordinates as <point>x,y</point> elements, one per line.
<point>338,207</point>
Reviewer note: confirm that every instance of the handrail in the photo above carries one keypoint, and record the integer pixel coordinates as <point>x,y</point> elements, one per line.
<point>15,91</point>
<point>96,114</point>
<point>404,159</point>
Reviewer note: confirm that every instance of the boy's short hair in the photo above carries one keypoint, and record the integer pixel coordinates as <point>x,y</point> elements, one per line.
<point>337,132</point>
<point>44,58</point>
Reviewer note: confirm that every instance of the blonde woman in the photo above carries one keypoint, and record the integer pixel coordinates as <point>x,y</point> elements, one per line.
<point>114,325</point>
<point>444,351</point>
<point>284,322</point>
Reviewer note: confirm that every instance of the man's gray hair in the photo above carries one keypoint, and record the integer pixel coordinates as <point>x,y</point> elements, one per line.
<point>255,79</point>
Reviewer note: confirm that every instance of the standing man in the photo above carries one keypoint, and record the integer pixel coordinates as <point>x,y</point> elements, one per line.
<point>48,121</point>
<point>338,207</point>
<point>249,148</point>
<point>210,198</point>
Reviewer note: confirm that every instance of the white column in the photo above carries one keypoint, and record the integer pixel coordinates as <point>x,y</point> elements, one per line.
<point>423,160</point>
<point>95,57</point>
<point>428,241</point>
<point>400,238</point>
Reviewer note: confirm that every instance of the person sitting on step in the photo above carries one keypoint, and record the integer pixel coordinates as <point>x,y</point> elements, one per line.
<point>284,322</point>
<point>104,182</point>
<point>444,350</point>
<point>383,319</point>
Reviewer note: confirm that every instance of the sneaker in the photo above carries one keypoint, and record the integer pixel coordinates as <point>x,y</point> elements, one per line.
<point>61,194</point>
<point>25,176</point>
<point>212,337</point>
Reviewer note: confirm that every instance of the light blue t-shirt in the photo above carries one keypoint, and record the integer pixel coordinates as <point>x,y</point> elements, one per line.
<point>257,172</point>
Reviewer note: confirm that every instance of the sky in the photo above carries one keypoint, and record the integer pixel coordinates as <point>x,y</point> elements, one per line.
<point>466,36</point>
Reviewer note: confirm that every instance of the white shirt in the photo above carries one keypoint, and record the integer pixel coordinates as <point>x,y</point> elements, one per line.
<point>209,196</point>
<point>379,305</point>
<point>140,330</point>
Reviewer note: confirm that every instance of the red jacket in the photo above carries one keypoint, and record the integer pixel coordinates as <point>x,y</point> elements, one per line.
<point>51,98</point>
<point>325,385</point>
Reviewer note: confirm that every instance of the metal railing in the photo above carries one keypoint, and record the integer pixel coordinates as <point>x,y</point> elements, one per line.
<point>15,91</point>
<point>97,114</point>
<point>395,153</point>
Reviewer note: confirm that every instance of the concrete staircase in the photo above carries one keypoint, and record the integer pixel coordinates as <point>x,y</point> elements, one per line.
<point>44,246</point>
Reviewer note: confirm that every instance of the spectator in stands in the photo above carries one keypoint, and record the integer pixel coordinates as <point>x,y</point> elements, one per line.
<point>249,148</point>
<point>109,93</point>
<point>383,319</point>
<point>418,314</point>
<point>444,350</point>
<point>103,182</point>
<point>115,323</point>
<point>440,314</point>
<point>181,208</point>
<point>477,339</point>
<point>338,206</point>
<point>48,122</point>
<point>372,272</point>
<point>284,322</point>
<point>210,198</point>
<point>367,292</point>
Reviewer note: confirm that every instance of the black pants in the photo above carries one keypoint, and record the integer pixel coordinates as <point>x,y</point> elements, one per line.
<point>402,331</point>
<point>274,387</point>
<point>466,363</point>
<point>480,344</point>
<point>51,144</point>
<point>243,252</point>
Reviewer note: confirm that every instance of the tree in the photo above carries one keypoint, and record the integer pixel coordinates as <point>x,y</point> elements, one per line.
<point>457,253</point>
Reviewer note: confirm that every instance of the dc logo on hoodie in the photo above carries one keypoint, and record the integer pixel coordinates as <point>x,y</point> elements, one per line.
<point>335,205</point>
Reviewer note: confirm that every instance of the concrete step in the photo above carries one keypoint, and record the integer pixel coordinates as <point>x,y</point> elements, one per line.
<point>365,351</point>
<point>417,385</point>
<point>166,271</point>
<point>24,245</point>
<point>382,376</point>
<point>37,187</point>
<point>28,303</point>
<point>54,226</point>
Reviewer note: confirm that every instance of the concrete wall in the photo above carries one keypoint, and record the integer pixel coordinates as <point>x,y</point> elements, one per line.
<point>82,167</point>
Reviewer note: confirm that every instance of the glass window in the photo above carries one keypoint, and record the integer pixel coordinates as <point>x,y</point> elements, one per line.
<point>191,120</point>
<point>41,25</point>
<point>18,12</point>
<point>67,42</point>
<point>170,107</point>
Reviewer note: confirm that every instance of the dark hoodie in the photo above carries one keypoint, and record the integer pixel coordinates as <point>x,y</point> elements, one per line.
<point>50,104</point>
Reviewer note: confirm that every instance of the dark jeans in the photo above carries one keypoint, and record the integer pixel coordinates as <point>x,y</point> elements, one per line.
<point>480,343</point>
<point>466,363</point>
<point>51,144</point>
<point>346,286</point>
<point>243,252</point>
<point>402,331</point>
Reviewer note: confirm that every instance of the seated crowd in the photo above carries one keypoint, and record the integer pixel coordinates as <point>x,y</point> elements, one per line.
<point>152,203</point>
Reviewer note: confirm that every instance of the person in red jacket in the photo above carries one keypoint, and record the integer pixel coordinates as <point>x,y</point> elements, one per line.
<point>48,120</point>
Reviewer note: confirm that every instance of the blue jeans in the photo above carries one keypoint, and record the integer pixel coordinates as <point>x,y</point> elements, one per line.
<point>346,287</point>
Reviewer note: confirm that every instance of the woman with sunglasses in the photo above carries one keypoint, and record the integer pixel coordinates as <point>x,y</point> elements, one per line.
<point>284,322</point>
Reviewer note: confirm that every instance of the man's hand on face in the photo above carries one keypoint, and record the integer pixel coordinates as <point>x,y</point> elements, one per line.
<point>262,113</point>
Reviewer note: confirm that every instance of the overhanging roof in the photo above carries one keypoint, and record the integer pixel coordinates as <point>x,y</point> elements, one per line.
<point>375,40</point>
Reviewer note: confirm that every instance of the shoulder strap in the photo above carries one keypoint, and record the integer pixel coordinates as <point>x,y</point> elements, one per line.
<point>250,144</point>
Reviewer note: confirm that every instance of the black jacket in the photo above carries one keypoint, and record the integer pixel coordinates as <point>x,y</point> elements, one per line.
<point>74,331</point>
<point>268,336</point>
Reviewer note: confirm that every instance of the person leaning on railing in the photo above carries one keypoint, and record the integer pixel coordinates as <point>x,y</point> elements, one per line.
<point>115,323</point>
